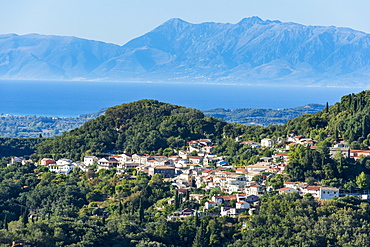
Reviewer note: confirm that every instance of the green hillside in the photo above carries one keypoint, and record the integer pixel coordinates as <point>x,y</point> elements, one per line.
<point>347,120</point>
<point>138,127</point>
<point>105,208</point>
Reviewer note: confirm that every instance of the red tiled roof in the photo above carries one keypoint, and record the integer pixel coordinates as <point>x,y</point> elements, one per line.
<point>207,171</point>
<point>282,154</point>
<point>313,187</point>
<point>226,197</point>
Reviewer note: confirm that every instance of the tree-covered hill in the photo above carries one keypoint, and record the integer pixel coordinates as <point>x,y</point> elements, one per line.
<point>147,126</point>
<point>18,146</point>
<point>347,120</point>
<point>26,126</point>
<point>138,127</point>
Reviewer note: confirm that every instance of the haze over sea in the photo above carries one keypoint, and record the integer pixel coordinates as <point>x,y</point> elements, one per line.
<point>73,98</point>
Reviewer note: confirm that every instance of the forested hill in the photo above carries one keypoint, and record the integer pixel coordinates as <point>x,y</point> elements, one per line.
<point>33,126</point>
<point>138,127</point>
<point>147,126</point>
<point>347,120</point>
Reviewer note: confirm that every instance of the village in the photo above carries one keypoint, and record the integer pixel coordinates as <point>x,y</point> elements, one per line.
<point>240,188</point>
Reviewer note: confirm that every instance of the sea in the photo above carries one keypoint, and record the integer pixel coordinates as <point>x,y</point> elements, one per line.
<point>73,98</point>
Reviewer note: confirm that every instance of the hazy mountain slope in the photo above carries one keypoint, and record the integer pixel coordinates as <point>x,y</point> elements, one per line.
<point>251,51</point>
<point>36,56</point>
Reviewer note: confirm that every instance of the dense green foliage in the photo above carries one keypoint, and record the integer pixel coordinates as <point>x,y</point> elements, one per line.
<point>264,117</point>
<point>102,209</point>
<point>348,119</point>
<point>289,220</point>
<point>18,146</point>
<point>138,127</point>
<point>106,209</point>
<point>34,126</point>
<point>305,162</point>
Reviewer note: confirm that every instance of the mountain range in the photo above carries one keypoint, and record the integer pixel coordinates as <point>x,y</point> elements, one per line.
<point>252,51</point>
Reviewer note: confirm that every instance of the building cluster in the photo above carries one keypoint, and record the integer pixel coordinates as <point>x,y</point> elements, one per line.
<point>198,167</point>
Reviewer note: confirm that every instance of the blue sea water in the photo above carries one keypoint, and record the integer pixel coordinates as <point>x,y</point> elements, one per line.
<point>72,98</point>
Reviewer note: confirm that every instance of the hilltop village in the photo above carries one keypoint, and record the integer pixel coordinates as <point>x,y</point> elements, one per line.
<point>154,174</point>
<point>238,188</point>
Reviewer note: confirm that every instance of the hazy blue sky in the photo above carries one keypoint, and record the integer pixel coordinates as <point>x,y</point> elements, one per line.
<point>118,21</point>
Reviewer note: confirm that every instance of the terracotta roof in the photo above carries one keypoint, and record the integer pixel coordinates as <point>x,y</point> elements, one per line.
<point>329,188</point>
<point>246,142</point>
<point>282,154</point>
<point>313,187</point>
<point>226,197</point>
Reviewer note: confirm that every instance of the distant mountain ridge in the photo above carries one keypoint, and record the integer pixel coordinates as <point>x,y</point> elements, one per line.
<point>252,51</point>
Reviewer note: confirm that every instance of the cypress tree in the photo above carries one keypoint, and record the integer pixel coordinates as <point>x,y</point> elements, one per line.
<point>24,218</point>
<point>120,208</point>
<point>6,223</point>
<point>196,220</point>
<point>187,196</point>
<point>327,107</point>
<point>132,208</point>
<point>177,201</point>
<point>200,238</point>
<point>141,211</point>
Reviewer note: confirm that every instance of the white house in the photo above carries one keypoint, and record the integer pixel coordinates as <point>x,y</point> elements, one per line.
<point>209,204</point>
<point>62,166</point>
<point>63,162</point>
<point>195,159</point>
<point>287,190</point>
<point>242,205</point>
<point>313,190</point>
<point>254,190</point>
<point>267,142</point>
<point>107,163</point>
<point>89,160</point>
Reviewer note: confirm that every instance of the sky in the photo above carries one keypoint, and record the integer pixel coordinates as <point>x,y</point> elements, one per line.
<point>118,21</point>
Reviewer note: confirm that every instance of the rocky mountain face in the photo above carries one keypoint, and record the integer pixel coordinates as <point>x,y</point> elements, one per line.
<point>252,51</point>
